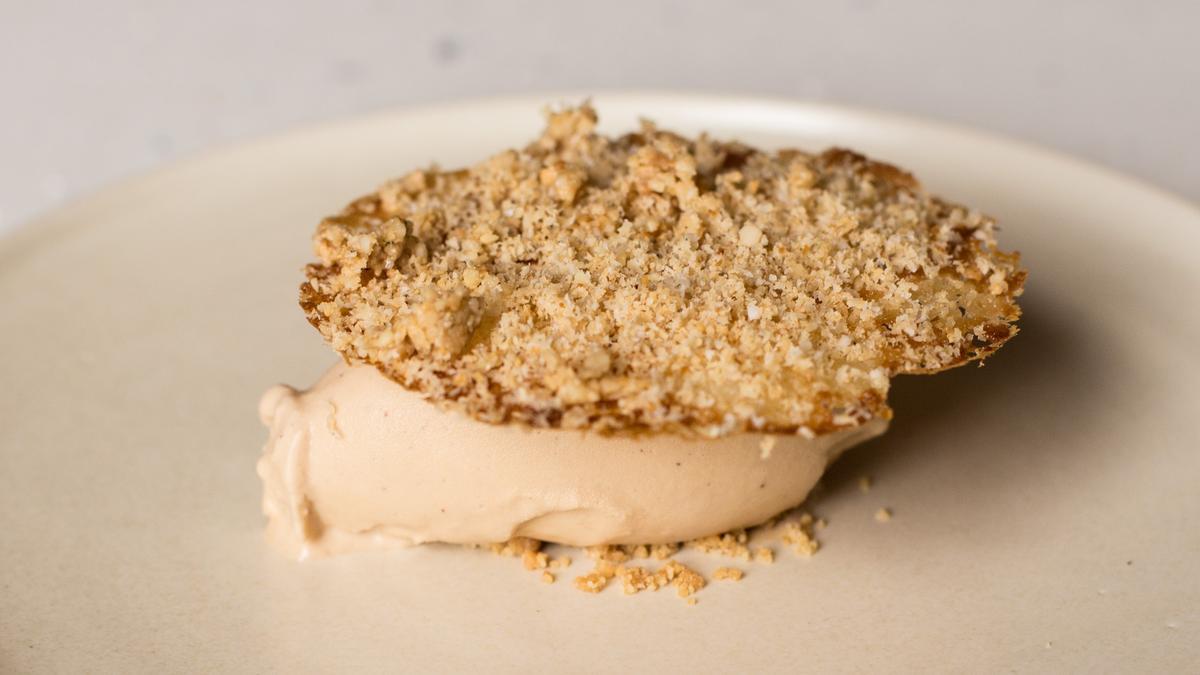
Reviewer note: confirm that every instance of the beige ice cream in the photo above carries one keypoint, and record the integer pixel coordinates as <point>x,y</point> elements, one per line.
<point>359,462</point>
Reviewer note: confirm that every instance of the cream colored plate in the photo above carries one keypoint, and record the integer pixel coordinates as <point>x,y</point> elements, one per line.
<point>1047,506</point>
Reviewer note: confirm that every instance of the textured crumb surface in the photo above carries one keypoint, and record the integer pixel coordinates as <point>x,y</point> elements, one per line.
<point>728,574</point>
<point>656,283</point>
<point>636,568</point>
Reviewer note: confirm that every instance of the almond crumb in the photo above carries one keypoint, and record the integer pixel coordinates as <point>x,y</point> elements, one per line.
<point>593,582</point>
<point>728,574</point>
<point>798,535</point>
<point>663,551</point>
<point>685,579</point>
<point>516,547</point>
<point>817,277</point>
<point>534,560</point>
<point>732,544</point>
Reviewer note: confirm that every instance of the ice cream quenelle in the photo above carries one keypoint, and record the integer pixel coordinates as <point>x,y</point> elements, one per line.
<point>631,340</point>
<point>359,462</point>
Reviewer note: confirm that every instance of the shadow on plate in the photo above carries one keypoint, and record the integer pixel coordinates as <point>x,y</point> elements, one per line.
<point>1045,382</point>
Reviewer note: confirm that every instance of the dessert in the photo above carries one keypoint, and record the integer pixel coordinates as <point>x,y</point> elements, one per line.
<point>635,340</point>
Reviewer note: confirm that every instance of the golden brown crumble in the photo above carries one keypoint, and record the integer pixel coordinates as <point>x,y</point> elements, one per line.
<point>610,564</point>
<point>657,283</point>
<point>612,554</point>
<point>535,560</point>
<point>883,515</point>
<point>728,574</point>
<point>516,547</point>
<point>765,555</point>
<point>663,551</point>
<point>685,579</point>
<point>636,579</point>
<point>615,563</point>
<point>593,582</point>
<point>799,535</point>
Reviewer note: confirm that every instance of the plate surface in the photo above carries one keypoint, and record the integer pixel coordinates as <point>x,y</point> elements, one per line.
<point>1047,506</point>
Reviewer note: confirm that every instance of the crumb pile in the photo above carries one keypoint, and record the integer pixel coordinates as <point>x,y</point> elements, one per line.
<point>623,564</point>
<point>657,283</point>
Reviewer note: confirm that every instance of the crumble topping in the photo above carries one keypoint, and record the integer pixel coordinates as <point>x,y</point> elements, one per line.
<point>652,282</point>
<point>731,544</point>
<point>762,554</point>
<point>728,574</point>
<point>798,534</point>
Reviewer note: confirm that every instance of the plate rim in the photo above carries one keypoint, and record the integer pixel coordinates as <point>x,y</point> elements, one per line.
<point>57,219</point>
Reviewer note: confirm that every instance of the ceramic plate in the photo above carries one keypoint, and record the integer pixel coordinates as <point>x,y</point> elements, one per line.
<point>1046,506</point>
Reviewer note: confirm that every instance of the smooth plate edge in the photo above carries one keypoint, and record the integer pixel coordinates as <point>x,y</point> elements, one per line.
<point>774,111</point>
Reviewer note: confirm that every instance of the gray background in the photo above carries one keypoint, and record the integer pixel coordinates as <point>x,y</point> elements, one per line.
<point>97,91</point>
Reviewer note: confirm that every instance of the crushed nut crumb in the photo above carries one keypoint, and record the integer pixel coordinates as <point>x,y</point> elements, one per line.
<point>663,551</point>
<point>728,574</point>
<point>637,579</point>
<point>614,562</point>
<point>652,282</point>
<point>593,582</point>
<point>799,536</point>
<point>685,579</point>
<point>516,547</point>
<point>732,544</point>
<point>535,560</point>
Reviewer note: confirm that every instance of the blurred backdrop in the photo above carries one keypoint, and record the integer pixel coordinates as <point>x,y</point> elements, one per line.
<point>96,91</point>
